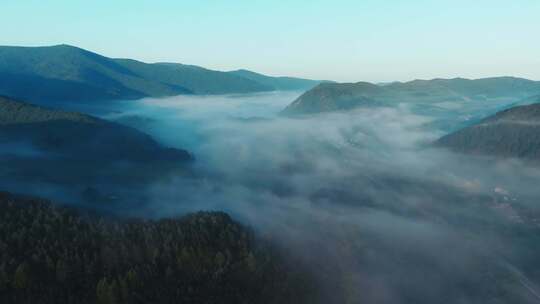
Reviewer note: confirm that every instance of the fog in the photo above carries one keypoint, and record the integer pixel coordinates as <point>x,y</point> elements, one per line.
<point>362,198</point>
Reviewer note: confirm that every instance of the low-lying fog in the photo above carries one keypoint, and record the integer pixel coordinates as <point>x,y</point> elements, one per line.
<point>361,197</point>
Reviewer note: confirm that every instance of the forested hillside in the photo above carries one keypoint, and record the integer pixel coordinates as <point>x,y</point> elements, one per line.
<point>514,132</point>
<point>51,254</point>
<point>64,73</point>
<point>78,136</point>
<point>278,83</point>
<point>327,97</point>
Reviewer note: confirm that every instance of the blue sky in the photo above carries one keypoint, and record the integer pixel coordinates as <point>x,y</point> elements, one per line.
<point>340,40</point>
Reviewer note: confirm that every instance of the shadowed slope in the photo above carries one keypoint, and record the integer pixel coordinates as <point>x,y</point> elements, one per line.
<point>78,136</point>
<point>54,255</point>
<point>514,132</point>
<point>345,96</point>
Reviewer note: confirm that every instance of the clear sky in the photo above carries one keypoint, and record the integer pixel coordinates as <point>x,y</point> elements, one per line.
<point>344,40</point>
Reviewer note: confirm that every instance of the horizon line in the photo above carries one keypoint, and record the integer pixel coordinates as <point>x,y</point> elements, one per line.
<point>269,74</point>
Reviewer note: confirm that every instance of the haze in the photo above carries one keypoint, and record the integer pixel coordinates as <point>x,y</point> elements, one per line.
<point>359,194</point>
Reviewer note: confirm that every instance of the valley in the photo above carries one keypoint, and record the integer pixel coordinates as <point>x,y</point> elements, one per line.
<point>270,192</point>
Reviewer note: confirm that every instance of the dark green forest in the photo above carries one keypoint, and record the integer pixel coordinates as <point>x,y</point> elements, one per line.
<point>54,254</point>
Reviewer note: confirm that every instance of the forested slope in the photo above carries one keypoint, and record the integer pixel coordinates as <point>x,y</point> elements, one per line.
<point>51,254</point>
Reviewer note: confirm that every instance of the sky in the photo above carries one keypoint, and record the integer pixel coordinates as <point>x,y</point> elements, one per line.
<point>342,40</point>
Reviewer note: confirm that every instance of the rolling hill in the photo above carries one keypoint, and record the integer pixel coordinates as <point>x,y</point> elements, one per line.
<point>80,156</point>
<point>66,73</point>
<point>514,132</point>
<point>78,136</point>
<point>278,83</point>
<point>328,97</point>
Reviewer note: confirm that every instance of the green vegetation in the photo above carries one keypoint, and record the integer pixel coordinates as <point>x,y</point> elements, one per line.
<point>278,83</point>
<point>67,73</point>
<point>514,132</point>
<point>18,112</point>
<point>196,80</point>
<point>54,255</point>
<point>77,135</point>
<point>46,146</point>
<point>329,97</point>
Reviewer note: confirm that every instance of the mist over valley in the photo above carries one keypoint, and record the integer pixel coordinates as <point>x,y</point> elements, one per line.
<point>364,198</point>
<point>263,152</point>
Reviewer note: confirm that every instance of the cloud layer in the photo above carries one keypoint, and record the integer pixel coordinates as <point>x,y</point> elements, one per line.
<point>361,197</point>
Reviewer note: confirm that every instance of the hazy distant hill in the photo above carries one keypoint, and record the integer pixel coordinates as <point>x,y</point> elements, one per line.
<point>344,96</point>
<point>513,132</point>
<point>67,73</point>
<point>327,97</point>
<point>83,157</point>
<point>76,135</point>
<point>278,83</point>
<point>196,80</point>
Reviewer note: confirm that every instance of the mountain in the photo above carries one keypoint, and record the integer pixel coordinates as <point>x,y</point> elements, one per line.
<point>278,83</point>
<point>514,132</point>
<point>328,97</point>
<point>81,157</point>
<point>53,254</point>
<point>78,136</point>
<point>195,79</point>
<point>67,73</point>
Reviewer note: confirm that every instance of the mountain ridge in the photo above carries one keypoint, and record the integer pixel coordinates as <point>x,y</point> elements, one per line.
<point>329,97</point>
<point>278,82</point>
<point>78,135</point>
<point>514,133</point>
<point>66,73</point>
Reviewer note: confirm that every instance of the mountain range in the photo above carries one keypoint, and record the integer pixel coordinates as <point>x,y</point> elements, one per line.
<point>67,73</point>
<point>514,132</point>
<point>327,97</point>
<point>278,83</point>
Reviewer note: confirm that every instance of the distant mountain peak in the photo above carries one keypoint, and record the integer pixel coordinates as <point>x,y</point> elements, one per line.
<point>68,73</point>
<point>345,96</point>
